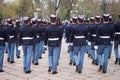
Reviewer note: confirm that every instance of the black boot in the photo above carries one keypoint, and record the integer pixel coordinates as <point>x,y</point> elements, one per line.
<point>93,61</point>
<point>70,63</point>
<point>116,60</point>
<point>49,69</point>
<point>100,69</point>
<point>77,68</point>
<point>119,61</point>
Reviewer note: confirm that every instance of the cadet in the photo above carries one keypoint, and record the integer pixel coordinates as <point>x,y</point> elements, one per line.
<point>37,41</point>
<point>53,37</point>
<point>78,38</point>
<point>17,25</point>
<point>88,47</point>
<point>93,30</point>
<point>105,34</point>
<point>117,41</point>
<point>111,22</point>
<point>3,38</point>
<point>68,33</point>
<point>26,40</point>
<point>11,32</point>
<point>42,36</point>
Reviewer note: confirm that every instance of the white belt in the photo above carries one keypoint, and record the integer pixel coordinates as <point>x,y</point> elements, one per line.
<point>53,39</point>
<point>11,37</point>
<point>94,35</point>
<point>106,37</point>
<point>1,38</point>
<point>117,33</point>
<point>24,38</point>
<point>79,36</point>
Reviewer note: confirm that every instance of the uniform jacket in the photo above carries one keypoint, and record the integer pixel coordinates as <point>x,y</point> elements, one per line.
<point>26,31</point>
<point>3,35</point>
<point>77,31</point>
<point>53,32</point>
<point>105,29</point>
<point>117,30</point>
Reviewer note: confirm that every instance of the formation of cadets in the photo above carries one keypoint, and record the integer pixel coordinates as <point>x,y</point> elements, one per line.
<point>95,36</point>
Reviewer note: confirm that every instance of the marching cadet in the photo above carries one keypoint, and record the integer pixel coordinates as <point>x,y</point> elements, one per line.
<point>3,38</point>
<point>93,30</point>
<point>117,41</point>
<point>42,27</point>
<point>78,38</point>
<point>38,40</point>
<point>105,34</point>
<point>26,40</point>
<point>70,46</point>
<point>17,26</point>
<point>111,22</point>
<point>53,38</point>
<point>11,32</point>
<point>59,24</point>
<point>88,47</point>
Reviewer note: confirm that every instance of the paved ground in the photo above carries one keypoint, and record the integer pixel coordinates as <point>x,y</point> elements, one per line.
<point>65,71</point>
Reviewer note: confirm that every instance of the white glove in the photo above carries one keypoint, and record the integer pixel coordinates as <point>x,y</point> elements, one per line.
<point>68,44</point>
<point>71,44</point>
<point>95,47</point>
<point>111,42</point>
<point>20,47</point>
<point>89,43</point>
<point>45,46</point>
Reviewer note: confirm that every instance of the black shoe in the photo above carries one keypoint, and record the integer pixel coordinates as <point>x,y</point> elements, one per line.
<point>80,71</point>
<point>119,61</point>
<point>18,56</point>
<point>40,57</point>
<point>12,62</point>
<point>70,63</point>
<point>100,69</point>
<point>96,63</point>
<point>8,59</point>
<point>49,69</point>
<point>44,52</point>
<point>1,71</point>
<point>27,72</point>
<point>24,69</point>
<point>116,61</point>
<point>33,61</point>
<point>68,51</point>
<point>89,55</point>
<point>36,63</point>
<point>104,71</point>
<point>74,64</point>
<point>54,72</point>
<point>93,61</point>
<point>77,69</point>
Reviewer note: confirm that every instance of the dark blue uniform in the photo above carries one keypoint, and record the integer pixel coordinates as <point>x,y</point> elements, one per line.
<point>53,38</point>
<point>38,40</point>
<point>3,39</point>
<point>105,34</point>
<point>68,32</point>
<point>93,29</point>
<point>11,32</point>
<point>26,40</point>
<point>42,37</point>
<point>78,38</point>
<point>117,41</point>
<point>17,41</point>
